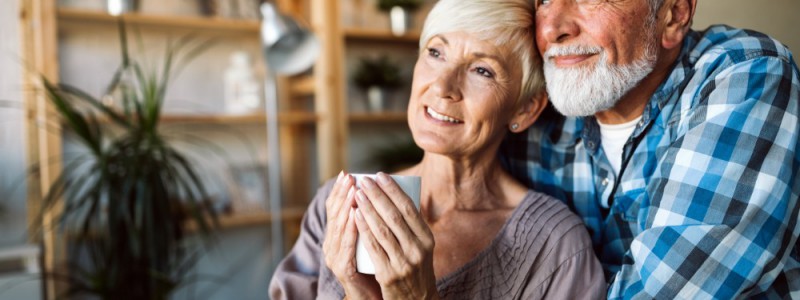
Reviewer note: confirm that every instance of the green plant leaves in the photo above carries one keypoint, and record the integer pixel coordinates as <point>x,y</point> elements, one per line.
<point>126,203</point>
<point>380,72</point>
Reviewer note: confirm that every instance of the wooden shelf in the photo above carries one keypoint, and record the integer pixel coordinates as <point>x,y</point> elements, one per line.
<point>302,86</point>
<point>287,118</point>
<point>252,219</point>
<point>295,118</point>
<point>71,16</point>
<point>376,35</point>
<point>384,117</point>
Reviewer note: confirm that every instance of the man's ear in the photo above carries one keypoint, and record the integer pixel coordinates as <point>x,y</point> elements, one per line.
<point>528,112</point>
<point>677,15</point>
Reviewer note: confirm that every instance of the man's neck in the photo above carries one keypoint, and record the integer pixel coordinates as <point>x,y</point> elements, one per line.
<point>632,105</point>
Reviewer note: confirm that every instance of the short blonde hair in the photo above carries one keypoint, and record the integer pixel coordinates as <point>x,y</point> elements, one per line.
<point>502,22</point>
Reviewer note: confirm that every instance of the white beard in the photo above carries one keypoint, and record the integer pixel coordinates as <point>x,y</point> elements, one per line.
<point>586,90</point>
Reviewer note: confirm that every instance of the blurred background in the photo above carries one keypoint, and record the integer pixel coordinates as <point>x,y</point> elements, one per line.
<point>347,112</point>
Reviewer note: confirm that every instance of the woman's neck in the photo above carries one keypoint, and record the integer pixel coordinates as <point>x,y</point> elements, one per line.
<point>464,185</point>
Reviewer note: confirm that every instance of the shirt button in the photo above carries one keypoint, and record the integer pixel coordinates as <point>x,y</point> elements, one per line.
<point>604,182</point>
<point>590,145</point>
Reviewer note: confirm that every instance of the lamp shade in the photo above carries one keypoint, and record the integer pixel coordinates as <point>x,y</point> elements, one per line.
<point>288,48</point>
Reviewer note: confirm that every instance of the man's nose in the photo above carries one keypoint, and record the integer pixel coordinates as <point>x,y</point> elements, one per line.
<point>557,22</point>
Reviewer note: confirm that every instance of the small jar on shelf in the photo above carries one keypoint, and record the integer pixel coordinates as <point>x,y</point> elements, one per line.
<point>243,91</point>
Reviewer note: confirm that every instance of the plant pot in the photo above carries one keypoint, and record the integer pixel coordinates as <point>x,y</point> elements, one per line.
<point>400,20</point>
<point>117,7</point>
<point>376,98</point>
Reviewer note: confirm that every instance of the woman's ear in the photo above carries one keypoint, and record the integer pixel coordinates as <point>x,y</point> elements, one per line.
<point>678,15</point>
<point>528,113</point>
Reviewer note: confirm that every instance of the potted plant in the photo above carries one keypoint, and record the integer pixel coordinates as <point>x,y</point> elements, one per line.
<point>399,13</point>
<point>126,205</point>
<point>377,77</point>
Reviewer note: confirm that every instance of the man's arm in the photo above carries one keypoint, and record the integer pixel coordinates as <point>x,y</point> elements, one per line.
<point>723,203</point>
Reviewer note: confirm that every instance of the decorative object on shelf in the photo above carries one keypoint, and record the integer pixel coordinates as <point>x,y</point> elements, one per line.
<point>288,50</point>
<point>118,7</point>
<point>247,189</point>
<point>378,78</point>
<point>242,88</point>
<point>172,7</point>
<point>206,7</point>
<point>237,9</point>
<point>23,258</point>
<point>399,13</point>
<point>126,202</point>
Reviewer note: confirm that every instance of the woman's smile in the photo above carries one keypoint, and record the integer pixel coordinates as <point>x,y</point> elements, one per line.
<point>440,117</point>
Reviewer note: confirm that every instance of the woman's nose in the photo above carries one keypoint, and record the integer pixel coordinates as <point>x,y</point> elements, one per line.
<point>557,22</point>
<point>447,84</point>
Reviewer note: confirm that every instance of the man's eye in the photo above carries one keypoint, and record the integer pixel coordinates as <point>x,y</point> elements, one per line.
<point>484,72</point>
<point>433,52</point>
<point>544,1</point>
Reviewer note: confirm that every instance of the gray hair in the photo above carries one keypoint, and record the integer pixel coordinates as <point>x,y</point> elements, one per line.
<point>655,5</point>
<point>507,22</point>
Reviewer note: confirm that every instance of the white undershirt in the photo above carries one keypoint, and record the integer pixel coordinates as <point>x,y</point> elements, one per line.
<point>613,138</point>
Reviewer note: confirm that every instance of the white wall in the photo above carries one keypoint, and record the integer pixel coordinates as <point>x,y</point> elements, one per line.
<point>778,18</point>
<point>13,285</point>
<point>12,132</point>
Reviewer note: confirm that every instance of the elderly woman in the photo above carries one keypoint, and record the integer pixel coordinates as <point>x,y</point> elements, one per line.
<point>478,233</point>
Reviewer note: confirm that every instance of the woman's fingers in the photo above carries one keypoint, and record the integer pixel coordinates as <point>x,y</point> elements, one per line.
<point>344,210</point>
<point>405,205</point>
<point>332,204</point>
<point>341,205</point>
<point>350,236</point>
<point>389,213</point>
<point>337,210</point>
<point>334,191</point>
<point>388,235</point>
<point>376,252</point>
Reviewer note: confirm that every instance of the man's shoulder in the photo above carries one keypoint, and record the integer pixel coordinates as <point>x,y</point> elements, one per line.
<point>722,45</point>
<point>721,60</point>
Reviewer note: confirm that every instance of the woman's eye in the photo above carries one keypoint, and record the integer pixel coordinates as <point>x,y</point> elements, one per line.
<point>544,1</point>
<point>484,72</point>
<point>433,53</point>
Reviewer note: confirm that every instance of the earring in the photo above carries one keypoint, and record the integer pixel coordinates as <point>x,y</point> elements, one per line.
<point>514,126</point>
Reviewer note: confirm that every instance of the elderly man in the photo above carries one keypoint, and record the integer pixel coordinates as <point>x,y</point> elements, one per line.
<point>679,149</point>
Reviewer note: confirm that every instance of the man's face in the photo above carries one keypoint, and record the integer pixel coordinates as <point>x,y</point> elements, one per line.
<point>594,51</point>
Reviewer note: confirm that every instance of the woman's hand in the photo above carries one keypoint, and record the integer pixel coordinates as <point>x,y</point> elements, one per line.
<point>339,247</point>
<point>398,240</point>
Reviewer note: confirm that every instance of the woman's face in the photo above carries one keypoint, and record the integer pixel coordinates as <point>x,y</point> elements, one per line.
<point>463,95</point>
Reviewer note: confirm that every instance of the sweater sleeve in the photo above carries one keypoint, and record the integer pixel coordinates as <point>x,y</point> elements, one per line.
<point>298,275</point>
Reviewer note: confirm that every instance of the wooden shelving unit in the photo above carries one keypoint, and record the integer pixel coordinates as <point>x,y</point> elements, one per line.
<point>44,21</point>
<point>380,118</point>
<point>288,118</point>
<point>285,118</point>
<point>233,221</point>
<point>379,35</point>
<point>70,16</point>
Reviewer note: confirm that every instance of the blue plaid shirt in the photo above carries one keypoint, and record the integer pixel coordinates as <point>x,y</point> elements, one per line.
<point>706,202</point>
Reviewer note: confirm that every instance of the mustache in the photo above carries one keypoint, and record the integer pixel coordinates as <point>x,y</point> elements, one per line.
<point>572,50</point>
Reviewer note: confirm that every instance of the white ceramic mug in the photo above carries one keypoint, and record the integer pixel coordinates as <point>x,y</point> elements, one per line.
<point>411,186</point>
